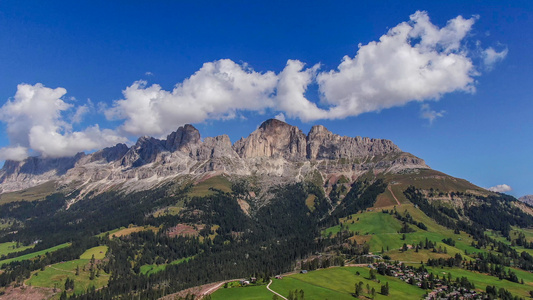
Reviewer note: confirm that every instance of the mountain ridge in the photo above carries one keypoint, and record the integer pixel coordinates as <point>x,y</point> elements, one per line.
<point>276,149</point>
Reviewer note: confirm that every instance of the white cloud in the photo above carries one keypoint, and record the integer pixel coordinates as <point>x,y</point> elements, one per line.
<point>427,113</point>
<point>17,153</point>
<point>78,115</point>
<point>290,96</point>
<point>491,57</point>
<point>34,121</point>
<point>280,117</point>
<point>414,61</point>
<point>149,74</point>
<point>215,91</point>
<point>500,188</point>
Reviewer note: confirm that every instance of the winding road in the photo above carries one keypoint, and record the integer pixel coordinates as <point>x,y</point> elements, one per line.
<point>268,288</point>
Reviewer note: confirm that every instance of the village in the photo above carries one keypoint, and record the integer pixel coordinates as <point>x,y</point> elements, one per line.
<point>441,287</point>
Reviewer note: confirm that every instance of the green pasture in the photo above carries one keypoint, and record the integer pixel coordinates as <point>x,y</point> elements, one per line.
<point>55,276</point>
<point>381,231</point>
<point>332,283</point>
<point>203,188</point>
<point>10,247</point>
<point>98,252</point>
<point>34,254</point>
<point>151,269</point>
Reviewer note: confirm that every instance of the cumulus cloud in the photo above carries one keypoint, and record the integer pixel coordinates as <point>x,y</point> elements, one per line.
<point>216,91</point>
<point>500,188</point>
<point>17,153</point>
<point>491,57</point>
<point>427,113</point>
<point>414,61</point>
<point>291,88</point>
<point>34,121</point>
<point>280,117</point>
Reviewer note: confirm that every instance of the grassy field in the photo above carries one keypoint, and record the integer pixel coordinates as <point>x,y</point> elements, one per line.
<point>332,283</point>
<point>151,269</point>
<point>34,254</point>
<point>32,194</point>
<point>217,182</point>
<point>167,211</point>
<point>380,230</point>
<point>122,231</point>
<point>10,247</point>
<point>55,276</point>
<point>98,252</point>
<point>482,280</point>
<point>249,292</point>
<point>528,233</point>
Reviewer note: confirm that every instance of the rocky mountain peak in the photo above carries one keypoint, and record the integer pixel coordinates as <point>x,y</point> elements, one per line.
<point>318,130</point>
<point>273,138</point>
<point>183,137</point>
<point>110,154</point>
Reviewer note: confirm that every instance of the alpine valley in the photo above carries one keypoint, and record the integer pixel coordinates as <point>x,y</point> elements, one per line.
<point>278,215</point>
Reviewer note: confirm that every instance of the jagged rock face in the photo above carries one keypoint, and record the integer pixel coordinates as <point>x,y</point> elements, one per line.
<point>322,144</point>
<point>183,139</point>
<point>216,147</point>
<point>527,199</point>
<point>143,152</point>
<point>276,151</point>
<point>34,171</point>
<point>110,154</point>
<point>272,139</point>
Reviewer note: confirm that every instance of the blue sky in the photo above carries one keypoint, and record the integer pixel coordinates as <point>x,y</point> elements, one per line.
<point>79,75</point>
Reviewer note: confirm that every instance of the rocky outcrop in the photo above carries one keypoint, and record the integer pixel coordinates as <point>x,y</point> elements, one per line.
<point>110,154</point>
<point>273,138</point>
<point>528,199</point>
<point>276,151</point>
<point>322,144</point>
<point>34,171</point>
<point>184,139</point>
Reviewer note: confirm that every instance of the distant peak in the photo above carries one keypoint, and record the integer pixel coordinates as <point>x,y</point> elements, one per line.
<point>318,129</point>
<point>273,123</point>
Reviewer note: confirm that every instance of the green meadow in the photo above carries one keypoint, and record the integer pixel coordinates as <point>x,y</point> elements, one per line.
<point>10,247</point>
<point>98,252</point>
<point>204,188</point>
<point>151,269</point>
<point>34,254</point>
<point>332,283</point>
<point>381,231</point>
<point>54,276</point>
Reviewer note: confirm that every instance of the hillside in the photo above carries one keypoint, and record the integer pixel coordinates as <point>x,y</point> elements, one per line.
<point>165,216</point>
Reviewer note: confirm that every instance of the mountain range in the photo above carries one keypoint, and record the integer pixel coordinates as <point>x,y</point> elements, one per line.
<point>275,152</point>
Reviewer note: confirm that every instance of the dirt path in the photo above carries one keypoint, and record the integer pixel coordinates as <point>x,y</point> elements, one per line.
<point>268,288</point>
<point>213,288</point>
<point>390,190</point>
